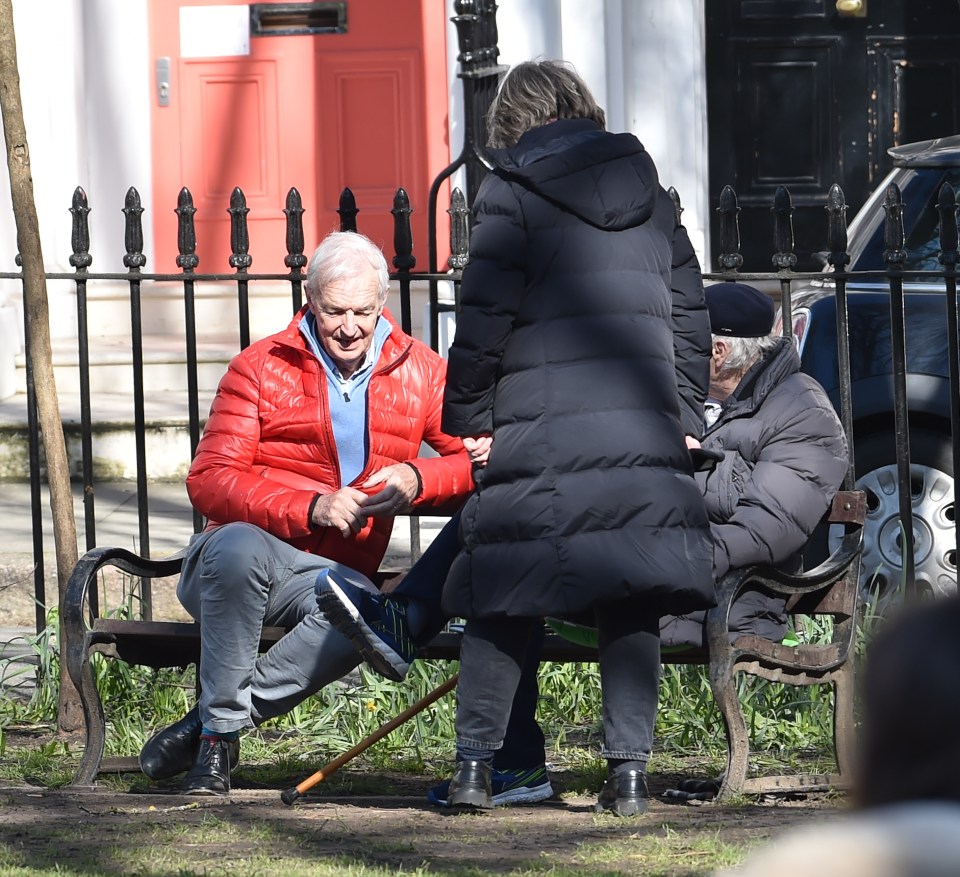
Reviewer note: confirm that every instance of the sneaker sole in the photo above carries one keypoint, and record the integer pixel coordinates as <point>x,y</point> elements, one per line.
<point>523,795</point>
<point>473,799</point>
<point>343,615</point>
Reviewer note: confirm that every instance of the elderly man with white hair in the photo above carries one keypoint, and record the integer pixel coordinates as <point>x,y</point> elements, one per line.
<point>783,455</point>
<point>311,448</point>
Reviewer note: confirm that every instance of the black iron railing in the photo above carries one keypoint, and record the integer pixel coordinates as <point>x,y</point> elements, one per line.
<point>480,72</point>
<point>189,280</point>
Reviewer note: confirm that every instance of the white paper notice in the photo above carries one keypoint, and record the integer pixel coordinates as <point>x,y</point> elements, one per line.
<point>214,31</point>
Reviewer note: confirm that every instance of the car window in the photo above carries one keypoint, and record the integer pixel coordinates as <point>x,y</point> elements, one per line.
<point>920,189</point>
<point>923,242</point>
<point>871,347</point>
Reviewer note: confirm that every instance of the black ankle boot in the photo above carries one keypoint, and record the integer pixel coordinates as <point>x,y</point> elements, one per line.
<point>172,750</point>
<point>210,774</point>
<point>470,786</point>
<point>624,794</point>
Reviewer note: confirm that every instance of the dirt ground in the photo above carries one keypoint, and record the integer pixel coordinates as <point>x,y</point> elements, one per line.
<point>381,821</point>
<point>377,820</point>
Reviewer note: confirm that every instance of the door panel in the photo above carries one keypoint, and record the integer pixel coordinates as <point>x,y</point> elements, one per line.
<point>220,99</point>
<point>365,108</point>
<point>218,104</point>
<point>921,79</point>
<point>801,96</point>
<point>376,150</point>
<point>781,87</point>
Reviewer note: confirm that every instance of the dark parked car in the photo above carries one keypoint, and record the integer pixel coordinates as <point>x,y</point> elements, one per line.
<point>920,169</point>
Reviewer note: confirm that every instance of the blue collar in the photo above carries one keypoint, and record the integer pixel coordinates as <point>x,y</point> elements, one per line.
<point>308,328</point>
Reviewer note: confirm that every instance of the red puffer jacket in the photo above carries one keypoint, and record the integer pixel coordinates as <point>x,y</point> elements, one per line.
<point>268,448</point>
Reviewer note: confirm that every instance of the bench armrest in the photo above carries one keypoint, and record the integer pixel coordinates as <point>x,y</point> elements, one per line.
<point>830,588</point>
<point>84,576</point>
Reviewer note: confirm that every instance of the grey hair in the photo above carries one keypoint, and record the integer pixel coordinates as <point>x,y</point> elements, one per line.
<point>744,352</point>
<point>342,254</point>
<point>534,93</point>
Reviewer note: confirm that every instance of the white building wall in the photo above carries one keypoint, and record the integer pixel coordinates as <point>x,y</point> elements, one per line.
<point>644,60</point>
<point>49,52</point>
<point>87,83</point>
<point>119,86</point>
<point>665,101</point>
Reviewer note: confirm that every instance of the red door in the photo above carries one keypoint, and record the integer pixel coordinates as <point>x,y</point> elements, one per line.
<point>253,101</point>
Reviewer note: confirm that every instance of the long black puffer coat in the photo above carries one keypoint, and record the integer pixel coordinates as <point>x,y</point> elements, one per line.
<point>784,458</point>
<point>582,345</point>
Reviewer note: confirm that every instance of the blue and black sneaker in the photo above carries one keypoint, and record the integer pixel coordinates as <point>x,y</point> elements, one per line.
<point>375,624</point>
<point>524,786</point>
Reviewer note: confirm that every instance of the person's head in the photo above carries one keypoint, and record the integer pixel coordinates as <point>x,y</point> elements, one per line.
<point>346,287</point>
<point>909,745</point>
<point>534,93</point>
<point>741,323</point>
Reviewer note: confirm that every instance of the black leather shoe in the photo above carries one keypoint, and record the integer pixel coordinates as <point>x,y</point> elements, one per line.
<point>210,774</point>
<point>172,750</point>
<point>470,786</point>
<point>624,794</point>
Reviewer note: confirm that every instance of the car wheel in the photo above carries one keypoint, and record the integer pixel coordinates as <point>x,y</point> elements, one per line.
<point>934,528</point>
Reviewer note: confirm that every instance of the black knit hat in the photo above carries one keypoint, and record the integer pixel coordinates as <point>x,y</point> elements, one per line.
<point>739,310</point>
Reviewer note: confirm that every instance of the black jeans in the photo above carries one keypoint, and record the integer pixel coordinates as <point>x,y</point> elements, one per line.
<point>492,661</point>
<point>523,745</point>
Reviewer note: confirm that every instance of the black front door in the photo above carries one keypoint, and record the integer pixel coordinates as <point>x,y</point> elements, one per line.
<point>807,93</point>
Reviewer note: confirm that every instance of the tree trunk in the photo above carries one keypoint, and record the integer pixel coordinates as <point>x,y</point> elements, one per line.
<point>37,316</point>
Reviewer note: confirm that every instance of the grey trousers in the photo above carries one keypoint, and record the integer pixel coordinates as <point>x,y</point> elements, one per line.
<point>492,665</point>
<point>236,580</point>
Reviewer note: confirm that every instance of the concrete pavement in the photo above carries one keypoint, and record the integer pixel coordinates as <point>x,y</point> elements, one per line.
<point>116,523</point>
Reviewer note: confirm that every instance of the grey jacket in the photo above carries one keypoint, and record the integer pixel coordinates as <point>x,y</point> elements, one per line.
<point>784,458</point>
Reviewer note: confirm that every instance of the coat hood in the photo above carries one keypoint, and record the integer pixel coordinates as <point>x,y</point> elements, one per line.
<point>606,179</point>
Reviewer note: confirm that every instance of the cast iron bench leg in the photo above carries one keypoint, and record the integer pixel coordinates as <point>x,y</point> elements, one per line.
<point>95,724</point>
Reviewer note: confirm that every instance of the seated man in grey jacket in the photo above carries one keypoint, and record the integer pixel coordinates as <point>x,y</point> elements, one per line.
<point>781,456</point>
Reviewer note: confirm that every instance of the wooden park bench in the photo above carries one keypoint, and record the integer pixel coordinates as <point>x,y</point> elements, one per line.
<point>831,589</point>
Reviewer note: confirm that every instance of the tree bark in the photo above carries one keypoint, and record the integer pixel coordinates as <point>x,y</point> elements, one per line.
<point>37,316</point>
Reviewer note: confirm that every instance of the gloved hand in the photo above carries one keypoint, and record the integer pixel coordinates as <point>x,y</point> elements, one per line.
<point>704,459</point>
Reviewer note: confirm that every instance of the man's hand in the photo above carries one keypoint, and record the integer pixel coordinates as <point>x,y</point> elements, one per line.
<point>478,448</point>
<point>348,508</point>
<point>342,509</point>
<point>399,488</point>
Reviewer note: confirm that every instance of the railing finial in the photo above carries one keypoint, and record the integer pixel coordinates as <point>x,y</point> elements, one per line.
<point>133,231</point>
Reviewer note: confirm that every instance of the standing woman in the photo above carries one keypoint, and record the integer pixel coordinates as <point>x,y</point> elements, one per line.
<point>580,362</point>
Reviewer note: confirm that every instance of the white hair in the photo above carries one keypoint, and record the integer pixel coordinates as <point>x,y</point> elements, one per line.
<point>744,352</point>
<point>343,254</point>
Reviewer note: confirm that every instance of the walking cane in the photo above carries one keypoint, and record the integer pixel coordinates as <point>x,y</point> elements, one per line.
<point>291,795</point>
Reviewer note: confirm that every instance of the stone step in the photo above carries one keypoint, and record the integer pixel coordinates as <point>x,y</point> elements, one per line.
<point>166,410</point>
<point>216,308</point>
<point>161,304</point>
<point>111,364</point>
<point>113,437</point>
